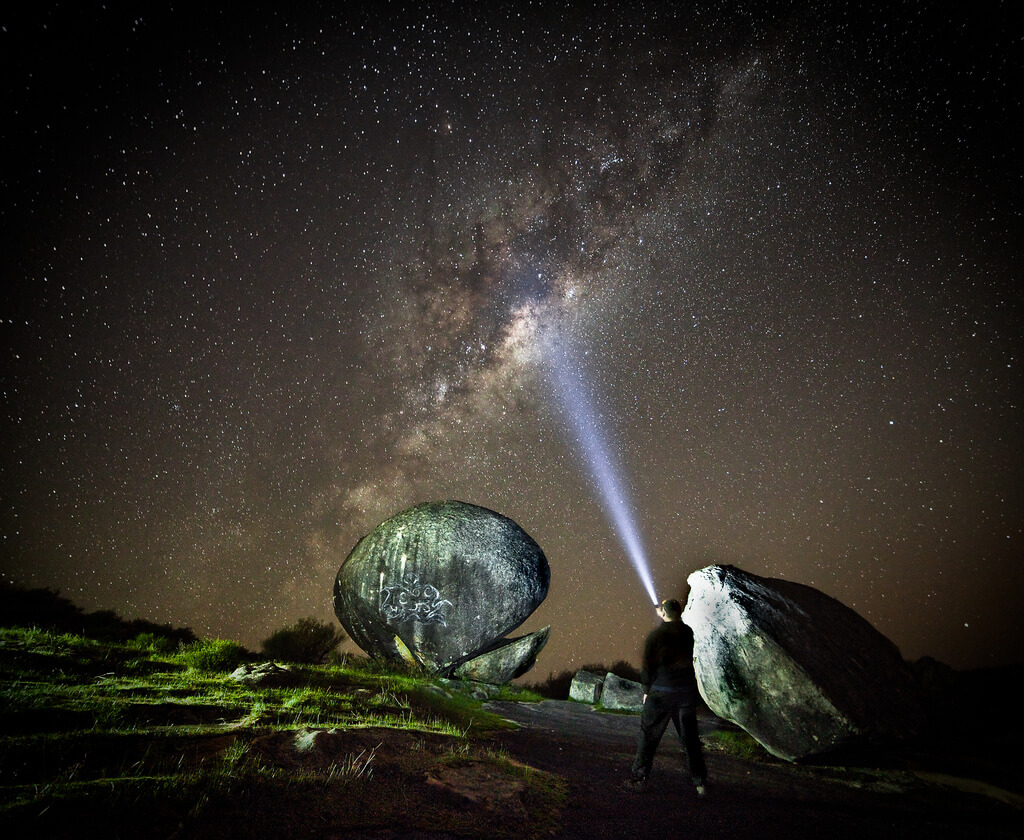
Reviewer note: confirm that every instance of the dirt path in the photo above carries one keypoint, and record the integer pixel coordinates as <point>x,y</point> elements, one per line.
<point>747,799</point>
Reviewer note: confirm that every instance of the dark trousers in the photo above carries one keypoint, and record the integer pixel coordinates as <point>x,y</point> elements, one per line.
<point>659,709</point>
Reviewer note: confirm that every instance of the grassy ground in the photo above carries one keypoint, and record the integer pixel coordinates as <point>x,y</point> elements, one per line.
<point>133,740</point>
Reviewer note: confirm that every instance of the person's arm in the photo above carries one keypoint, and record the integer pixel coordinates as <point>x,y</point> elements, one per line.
<point>648,664</point>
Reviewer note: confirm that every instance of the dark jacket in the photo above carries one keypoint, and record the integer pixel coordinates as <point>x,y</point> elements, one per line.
<point>668,659</point>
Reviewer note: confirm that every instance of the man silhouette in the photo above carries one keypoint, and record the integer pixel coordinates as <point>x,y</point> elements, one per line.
<point>670,693</point>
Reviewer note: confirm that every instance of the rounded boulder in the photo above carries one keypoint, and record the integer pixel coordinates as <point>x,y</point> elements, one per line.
<point>439,583</point>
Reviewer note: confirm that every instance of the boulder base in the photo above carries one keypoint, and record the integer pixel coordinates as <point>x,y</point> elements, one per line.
<point>798,670</point>
<point>440,584</point>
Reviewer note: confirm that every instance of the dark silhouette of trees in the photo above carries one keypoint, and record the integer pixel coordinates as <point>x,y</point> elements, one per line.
<point>47,609</point>
<point>308,641</point>
<point>556,686</point>
<point>626,670</point>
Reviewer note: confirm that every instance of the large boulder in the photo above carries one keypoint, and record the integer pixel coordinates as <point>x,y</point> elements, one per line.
<point>798,670</point>
<point>441,584</point>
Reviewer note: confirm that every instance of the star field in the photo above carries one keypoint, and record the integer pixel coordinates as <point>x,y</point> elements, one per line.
<point>277,278</point>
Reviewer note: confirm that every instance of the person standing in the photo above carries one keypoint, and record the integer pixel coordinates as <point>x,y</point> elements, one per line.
<point>670,694</point>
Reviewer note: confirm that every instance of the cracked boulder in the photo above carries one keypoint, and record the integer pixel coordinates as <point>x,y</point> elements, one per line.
<point>509,659</point>
<point>622,695</point>
<point>798,670</point>
<point>586,687</point>
<point>440,585</point>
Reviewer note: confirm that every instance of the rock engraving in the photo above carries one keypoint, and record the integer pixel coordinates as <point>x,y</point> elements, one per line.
<point>441,584</point>
<point>409,599</point>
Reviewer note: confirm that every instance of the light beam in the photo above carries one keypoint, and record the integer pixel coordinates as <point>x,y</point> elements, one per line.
<point>585,424</point>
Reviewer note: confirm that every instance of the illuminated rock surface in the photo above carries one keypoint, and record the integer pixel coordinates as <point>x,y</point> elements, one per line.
<point>510,659</point>
<point>441,584</point>
<point>622,695</point>
<point>586,687</point>
<point>798,670</point>
<point>265,675</point>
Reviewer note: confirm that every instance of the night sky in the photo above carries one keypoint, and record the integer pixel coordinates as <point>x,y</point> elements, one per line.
<point>272,278</point>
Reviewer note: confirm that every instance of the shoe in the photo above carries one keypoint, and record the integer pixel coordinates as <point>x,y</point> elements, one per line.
<point>635,785</point>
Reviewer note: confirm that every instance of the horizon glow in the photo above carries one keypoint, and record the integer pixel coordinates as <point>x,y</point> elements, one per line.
<point>594,448</point>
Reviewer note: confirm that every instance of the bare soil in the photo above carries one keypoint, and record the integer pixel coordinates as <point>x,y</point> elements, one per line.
<point>321,783</point>
<point>905,793</point>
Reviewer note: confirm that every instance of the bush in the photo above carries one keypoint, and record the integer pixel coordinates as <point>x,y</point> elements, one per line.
<point>555,687</point>
<point>154,643</point>
<point>626,670</point>
<point>308,641</point>
<point>213,655</point>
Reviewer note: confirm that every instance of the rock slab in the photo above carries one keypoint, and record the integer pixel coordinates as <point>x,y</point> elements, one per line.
<point>586,687</point>
<point>265,675</point>
<point>510,659</point>
<point>440,584</point>
<point>800,671</point>
<point>622,695</point>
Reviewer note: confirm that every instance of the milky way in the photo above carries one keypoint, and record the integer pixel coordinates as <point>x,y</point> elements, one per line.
<point>278,278</point>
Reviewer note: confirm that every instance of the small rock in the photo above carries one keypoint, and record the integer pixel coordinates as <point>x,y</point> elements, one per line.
<point>586,687</point>
<point>622,695</point>
<point>265,675</point>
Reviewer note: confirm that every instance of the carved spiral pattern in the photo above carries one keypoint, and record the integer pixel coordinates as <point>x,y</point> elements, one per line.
<point>410,599</point>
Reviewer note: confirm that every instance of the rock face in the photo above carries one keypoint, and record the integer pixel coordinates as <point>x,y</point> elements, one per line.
<point>510,659</point>
<point>798,670</point>
<point>441,584</point>
<point>621,694</point>
<point>586,687</point>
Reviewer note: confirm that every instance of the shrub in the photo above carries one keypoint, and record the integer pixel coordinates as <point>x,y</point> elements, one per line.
<point>308,641</point>
<point>154,643</point>
<point>213,655</point>
<point>555,687</point>
<point>626,670</point>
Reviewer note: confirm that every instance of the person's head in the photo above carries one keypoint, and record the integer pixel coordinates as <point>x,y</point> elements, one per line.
<point>670,610</point>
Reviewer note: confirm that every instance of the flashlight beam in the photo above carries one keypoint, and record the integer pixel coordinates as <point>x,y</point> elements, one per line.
<point>585,424</point>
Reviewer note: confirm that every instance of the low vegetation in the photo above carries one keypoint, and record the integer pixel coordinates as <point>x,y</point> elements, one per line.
<point>308,641</point>
<point>738,743</point>
<point>150,737</point>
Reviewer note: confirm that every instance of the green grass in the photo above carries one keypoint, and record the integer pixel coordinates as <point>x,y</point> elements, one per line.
<point>124,738</point>
<point>212,655</point>
<point>519,695</point>
<point>737,743</point>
